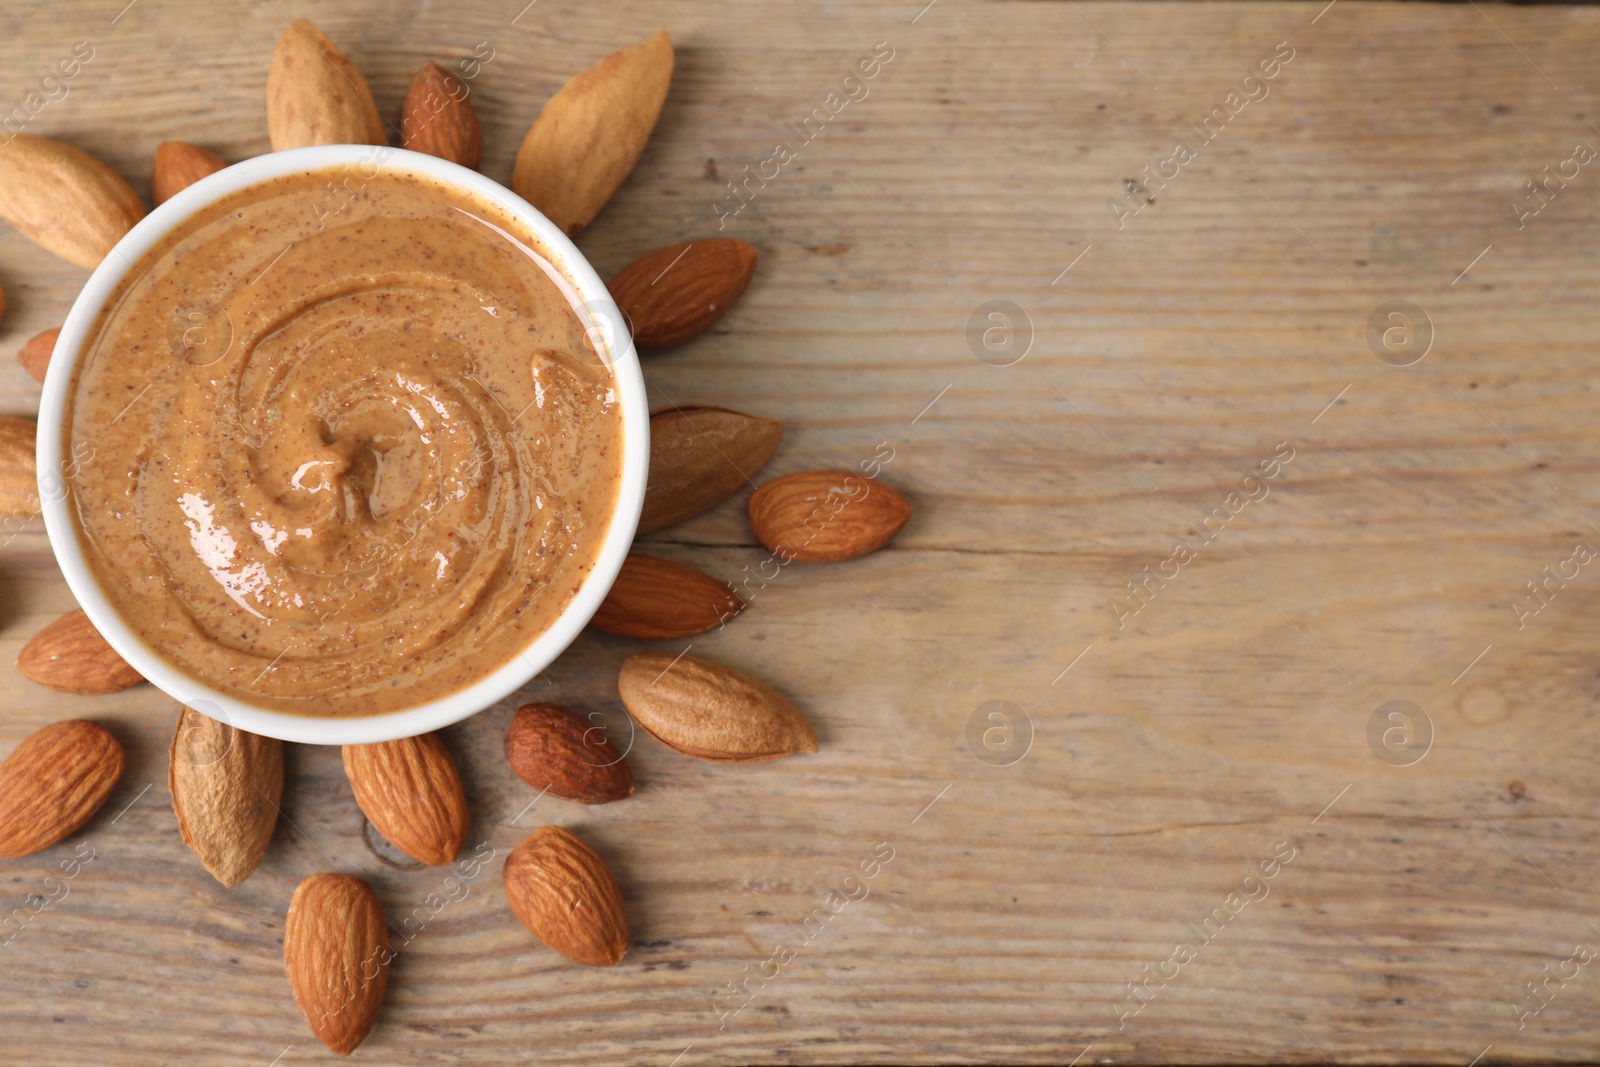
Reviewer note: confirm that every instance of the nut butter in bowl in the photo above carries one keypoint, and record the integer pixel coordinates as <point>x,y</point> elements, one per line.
<point>349,448</point>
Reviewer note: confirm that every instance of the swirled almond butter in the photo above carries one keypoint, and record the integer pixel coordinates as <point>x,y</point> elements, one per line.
<point>348,447</point>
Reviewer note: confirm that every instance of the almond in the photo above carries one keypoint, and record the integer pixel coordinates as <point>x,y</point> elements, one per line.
<point>410,790</point>
<point>826,516</point>
<point>657,598</point>
<point>438,118</point>
<point>552,749</point>
<point>700,456</point>
<point>179,165</point>
<point>35,355</point>
<point>677,292</point>
<point>70,655</point>
<point>226,784</point>
<point>19,481</point>
<point>336,953</point>
<point>711,712</point>
<point>565,895</point>
<point>64,199</point>
<point>53,782</point>
<point>590,134</point>
<point>315,95</point>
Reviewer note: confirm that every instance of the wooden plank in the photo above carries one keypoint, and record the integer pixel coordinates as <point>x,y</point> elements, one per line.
<point>1229,715</point>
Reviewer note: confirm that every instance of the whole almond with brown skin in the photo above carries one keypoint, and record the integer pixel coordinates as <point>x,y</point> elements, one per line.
<point>678,292</point>
<point>700,456</point>
<point>410,790</point>
<point>226,784</point>
<point>179,165</point>
<point>658,598</point>
<point>69,655</point>
<point>552,749</point>
<point>19,484</point>
<point>315,95</point>
<point>826,516</point>
<point>53,782</point>
<point>63,198</point>
<point>438,118</point>
<point>711,712</point>
<point>564,894</point>
<point>35,355</point>
<point>336,953</point>
<point>590,134</point>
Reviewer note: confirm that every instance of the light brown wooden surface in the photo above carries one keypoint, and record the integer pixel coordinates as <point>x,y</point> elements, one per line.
<point>1176,354</point>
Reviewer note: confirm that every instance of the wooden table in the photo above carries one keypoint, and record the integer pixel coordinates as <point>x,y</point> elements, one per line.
<point>1438,863</point>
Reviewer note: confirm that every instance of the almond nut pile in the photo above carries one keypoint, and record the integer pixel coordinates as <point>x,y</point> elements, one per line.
<point>226,784</point>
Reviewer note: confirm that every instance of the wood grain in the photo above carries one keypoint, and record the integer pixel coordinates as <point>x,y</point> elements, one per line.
<point>1228,716</point>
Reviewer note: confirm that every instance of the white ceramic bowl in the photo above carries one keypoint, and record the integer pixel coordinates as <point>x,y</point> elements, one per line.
<point>54,490</point>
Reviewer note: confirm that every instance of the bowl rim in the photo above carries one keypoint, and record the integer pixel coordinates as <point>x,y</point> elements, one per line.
<point>54,475</point>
